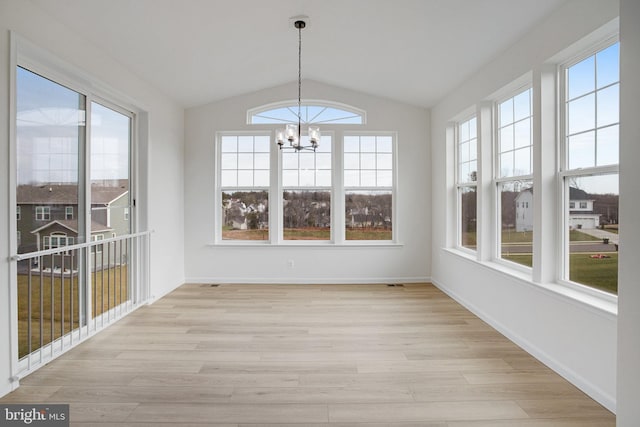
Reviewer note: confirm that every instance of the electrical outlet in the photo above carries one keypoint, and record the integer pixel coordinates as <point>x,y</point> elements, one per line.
<point>291,263</point>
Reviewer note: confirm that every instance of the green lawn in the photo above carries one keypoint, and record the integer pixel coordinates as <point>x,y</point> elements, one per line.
<point>110,288</point>
<point>310,233</point>
<point>524,259</point>
<point>511,236</point>
<point>598,273</point>
<point>368,234</point>
<point>231,234</point>
<point>579,236</point>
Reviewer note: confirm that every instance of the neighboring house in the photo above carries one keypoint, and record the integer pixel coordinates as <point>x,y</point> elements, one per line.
<point>524,210</point>
<point>362,218</point>
<point>581,213</point>
<point>47,214</point>
<point>239,216</point>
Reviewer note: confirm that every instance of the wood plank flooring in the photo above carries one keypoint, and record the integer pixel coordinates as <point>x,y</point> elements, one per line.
<point>312,355</point>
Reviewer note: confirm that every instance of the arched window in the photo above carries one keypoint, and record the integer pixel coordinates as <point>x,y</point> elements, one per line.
<point>312,111</point>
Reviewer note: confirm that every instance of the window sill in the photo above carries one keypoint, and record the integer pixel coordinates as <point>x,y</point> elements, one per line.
<point>601,302</point>
<point>308,244</point>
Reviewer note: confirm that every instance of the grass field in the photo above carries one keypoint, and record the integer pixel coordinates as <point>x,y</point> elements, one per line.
<point>369,234</point>
<point>511,236</point>
<point>309,234</point>
<point>109,287</point>
<point>230,234</point>
<point>598,273</point>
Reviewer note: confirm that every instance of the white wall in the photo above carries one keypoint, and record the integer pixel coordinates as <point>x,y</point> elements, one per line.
<point>628,412</point>
<point>163,165</point>
<point>577,340</point>
<point>327,264</point>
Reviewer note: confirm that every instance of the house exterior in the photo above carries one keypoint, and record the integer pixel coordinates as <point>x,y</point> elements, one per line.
<point>581,213</point>
<point>47,214</point>
<point>524,210</point>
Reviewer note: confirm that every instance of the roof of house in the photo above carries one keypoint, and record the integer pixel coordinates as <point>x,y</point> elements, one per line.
<point>578,194</point>
<point>67,194</point>
<point>72,225</point>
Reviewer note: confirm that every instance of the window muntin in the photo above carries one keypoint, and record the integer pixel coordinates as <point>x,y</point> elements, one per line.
<point>592,110</point>
<point>244,186</point>
<point>466,177</point>
<point>244,161</point>
<point>57,240</point>
<point>368,183</point>
<point>68,212</point>
<point>97,248</point>
<point>43,213</point>
<point>515,136</point>
<point>513,183</point>
<point>467,151</point>
<point>306,195</point>
<point>590,170</point>
<point>308,168</point>
<point>316,113</point>
<point>368,161</point>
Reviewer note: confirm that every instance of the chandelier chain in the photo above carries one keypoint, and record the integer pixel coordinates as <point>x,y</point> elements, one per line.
<point>291,132</point>
<point>299,77</point>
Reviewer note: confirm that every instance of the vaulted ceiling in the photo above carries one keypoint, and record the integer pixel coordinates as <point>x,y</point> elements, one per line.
<point>199,51</point>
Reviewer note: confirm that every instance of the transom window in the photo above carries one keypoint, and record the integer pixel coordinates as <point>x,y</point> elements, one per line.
<point>317,112</point>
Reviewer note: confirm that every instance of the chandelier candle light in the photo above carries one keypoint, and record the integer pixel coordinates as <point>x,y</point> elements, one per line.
<point>292,132</point>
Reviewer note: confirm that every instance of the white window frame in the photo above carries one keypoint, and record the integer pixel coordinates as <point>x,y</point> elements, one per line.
<point>460,185</point>
<point>564,173</point>
<point>219,188</point>
<point>18,212</point>
<point>392,188</point>
<point>68,212</point>
<point>43,213</point>
<point>331,189</point>
<point>499,181</point>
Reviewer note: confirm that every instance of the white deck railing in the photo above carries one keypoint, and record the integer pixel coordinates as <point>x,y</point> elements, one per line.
<point>67,294</point>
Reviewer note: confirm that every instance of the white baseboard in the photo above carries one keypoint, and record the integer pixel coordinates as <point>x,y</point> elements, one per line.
<point>561,369</point>
<point>307,280</point>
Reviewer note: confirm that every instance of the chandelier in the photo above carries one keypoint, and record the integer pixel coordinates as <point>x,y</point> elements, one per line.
<point>291,132</point>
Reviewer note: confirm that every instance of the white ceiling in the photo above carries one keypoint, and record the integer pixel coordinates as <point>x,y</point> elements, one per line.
<point>199,51</point>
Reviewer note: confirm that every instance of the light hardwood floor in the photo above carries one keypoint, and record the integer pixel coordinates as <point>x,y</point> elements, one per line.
<point>312,355</point>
